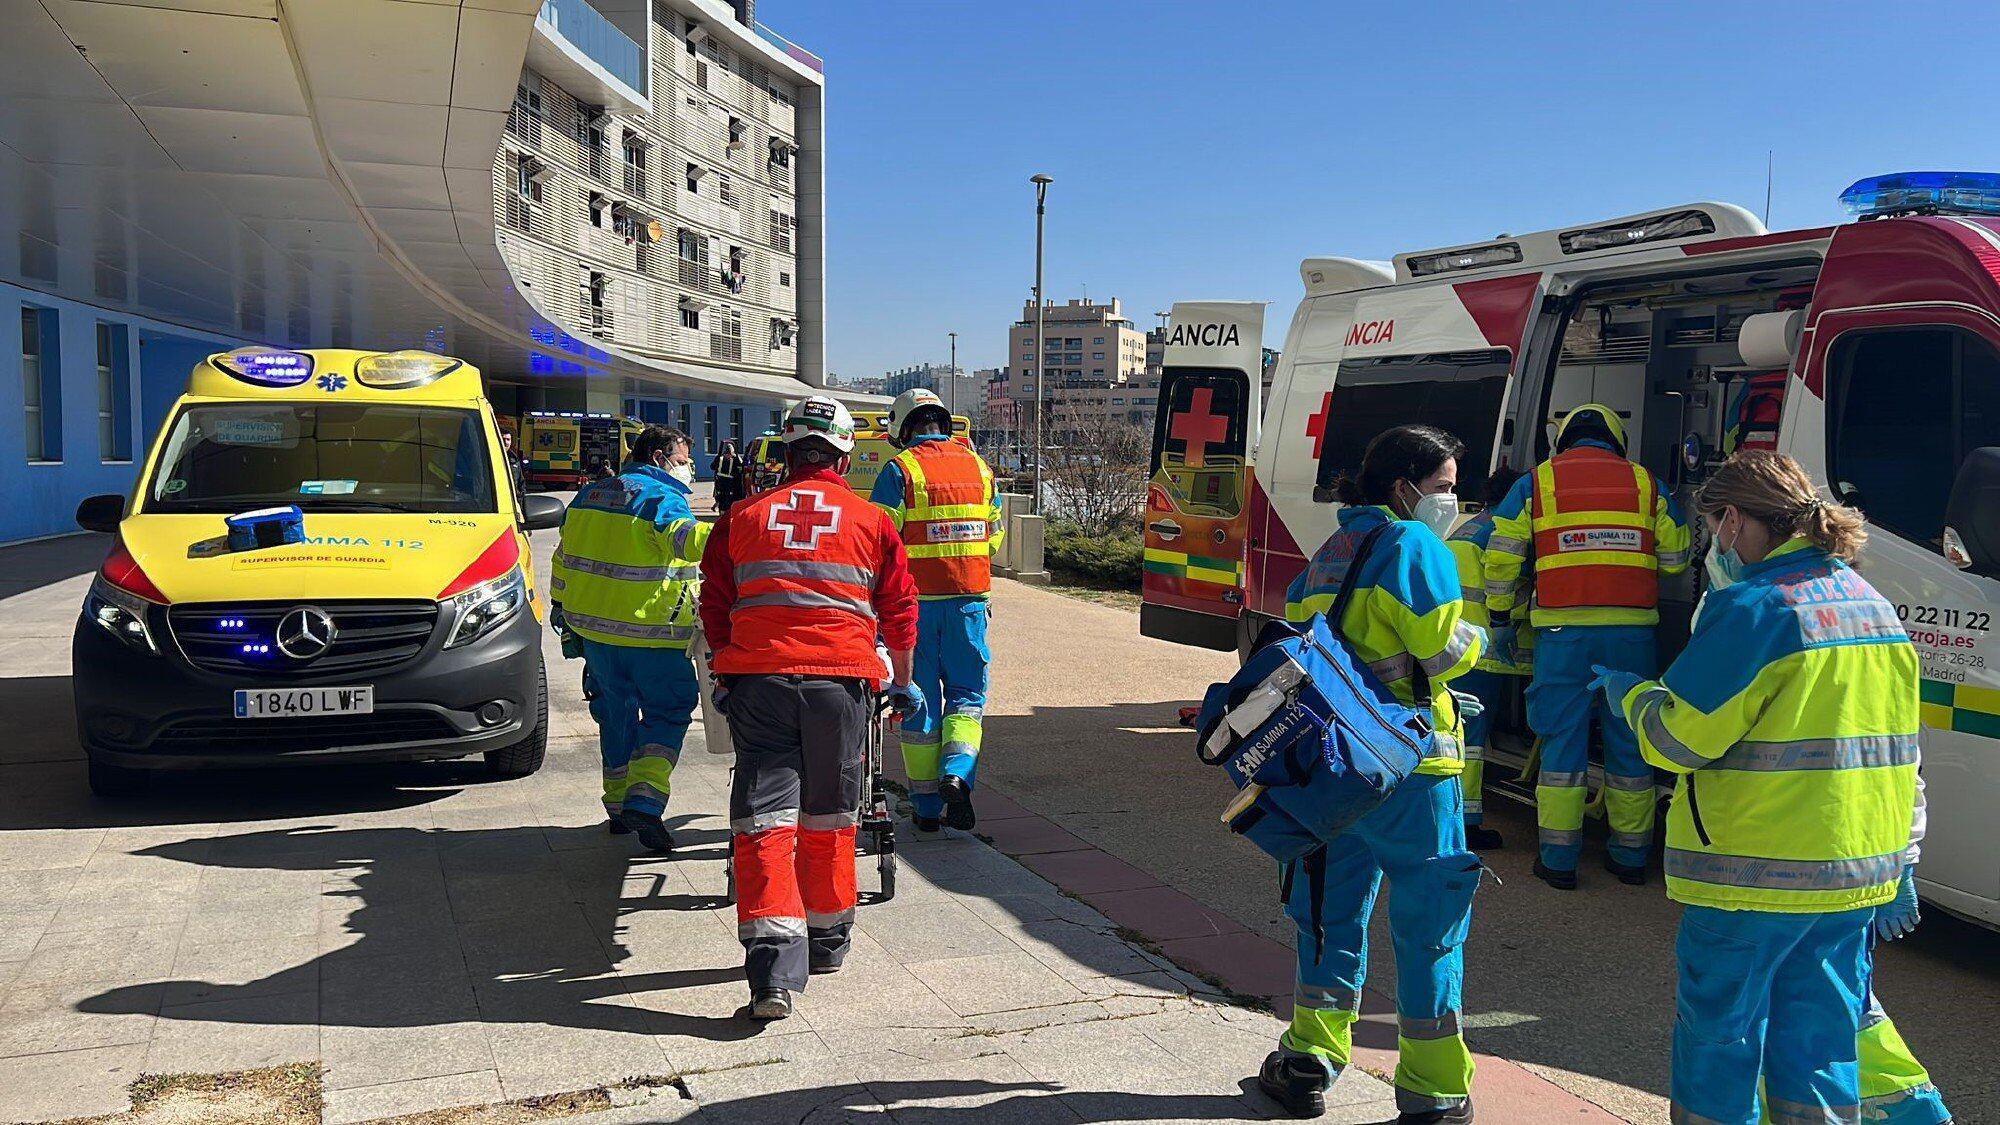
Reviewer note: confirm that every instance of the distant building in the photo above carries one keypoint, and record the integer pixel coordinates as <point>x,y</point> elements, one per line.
<point>965,393</point>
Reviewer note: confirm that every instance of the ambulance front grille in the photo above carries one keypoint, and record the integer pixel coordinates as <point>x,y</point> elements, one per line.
<point>223,734</point>
<point>241,637</point>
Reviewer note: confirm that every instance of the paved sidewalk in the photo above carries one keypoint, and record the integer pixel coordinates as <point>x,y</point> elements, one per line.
<point>435,939</point>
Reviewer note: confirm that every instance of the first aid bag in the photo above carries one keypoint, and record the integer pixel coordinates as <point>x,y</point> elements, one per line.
<point>1310,736</point>
<point>266,527</point>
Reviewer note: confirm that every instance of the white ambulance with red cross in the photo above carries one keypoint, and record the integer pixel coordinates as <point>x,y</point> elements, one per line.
<point>1869,351</point>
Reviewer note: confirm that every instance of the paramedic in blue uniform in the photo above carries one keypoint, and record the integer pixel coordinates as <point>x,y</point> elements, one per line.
<point>1406,617</point>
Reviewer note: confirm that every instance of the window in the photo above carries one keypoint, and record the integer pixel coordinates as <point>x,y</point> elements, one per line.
<point>694,177</point>
<point>225,458</point>
<point>690,317</point>
<point>781,153</point>
<point>686,416</point>
<point>782,226</point>
<point>777,419</point>
<point>1097,355</point>
<point>598,204</point>
<point>635,164</point>
<point>114,394</point>
<point>784,279</point>
<point>736,425</point>
<point>524,118</point>
<point>738,129</point>
<point>527,178</point>
<point>1097,339</point>
<point>1458,392</point>
<point>725,190</point>
<point>41,385</point>
<point>1074,341</point>
<point>1906,407</point>
<point>708,434</point>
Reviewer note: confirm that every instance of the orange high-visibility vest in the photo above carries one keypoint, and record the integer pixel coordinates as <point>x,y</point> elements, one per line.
<point>1593,524</point>
<point>947,518</point>
<point>805,557</point>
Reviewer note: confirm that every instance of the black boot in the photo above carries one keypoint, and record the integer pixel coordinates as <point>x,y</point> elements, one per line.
<point>617,827</point>
<point>771,1004</point>
<point>1630,876</point>
<point>1457,1115</point>
<point>1297,1084</point>
<point>651,829</point>
<point>1482,839</point>
<point>927,823</point>
<point>1560,880</point>
<point>957,803</point>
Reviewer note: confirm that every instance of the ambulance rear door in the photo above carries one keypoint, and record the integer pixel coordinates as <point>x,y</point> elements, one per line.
<point>1896,407</point>
<point>1197,497</point>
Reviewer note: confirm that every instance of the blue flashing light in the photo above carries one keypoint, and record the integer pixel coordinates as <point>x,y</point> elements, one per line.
<point>267,367</point>
<point>231,623</point>
<point>1903,193</point>
<point>257,650</point>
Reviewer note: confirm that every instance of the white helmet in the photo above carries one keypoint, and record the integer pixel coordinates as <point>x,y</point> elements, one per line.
<point>909,405</point>
<point>823,418</point>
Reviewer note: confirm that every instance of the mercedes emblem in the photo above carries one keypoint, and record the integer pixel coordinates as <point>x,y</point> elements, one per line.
<point>305,633</point>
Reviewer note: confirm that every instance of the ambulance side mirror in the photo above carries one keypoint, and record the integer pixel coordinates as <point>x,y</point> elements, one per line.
<point>539,512</point>
<point>1973,510</point>
<point>101,513</point>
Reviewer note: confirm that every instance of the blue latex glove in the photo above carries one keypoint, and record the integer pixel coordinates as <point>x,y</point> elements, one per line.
<point>1500,642</point>
<point>1614,684</point>
<point>1898,918</point>
<point>557,621</point>
<point>1469,706</point>
<point>906,701</point>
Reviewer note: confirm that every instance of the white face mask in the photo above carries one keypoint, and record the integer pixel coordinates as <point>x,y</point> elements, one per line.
<point>682,472</point>
<point>1437,511</point>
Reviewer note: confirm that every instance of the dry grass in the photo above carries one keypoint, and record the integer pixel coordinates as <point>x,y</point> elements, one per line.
<point>277,1095</point>
<point>1117,599</point>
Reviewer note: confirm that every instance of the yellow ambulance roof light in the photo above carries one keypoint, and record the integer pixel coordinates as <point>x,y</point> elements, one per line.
<point>266,367</point>
<point>404,370</point>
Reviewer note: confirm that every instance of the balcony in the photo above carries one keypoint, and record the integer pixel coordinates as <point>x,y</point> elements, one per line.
<point>797,53</point>
<point>589,56</point>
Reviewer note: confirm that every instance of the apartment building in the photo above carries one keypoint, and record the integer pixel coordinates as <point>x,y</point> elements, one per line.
<point>668,207</point>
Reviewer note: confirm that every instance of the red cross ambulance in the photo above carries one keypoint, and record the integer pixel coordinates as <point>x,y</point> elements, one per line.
<point>1875,344</point>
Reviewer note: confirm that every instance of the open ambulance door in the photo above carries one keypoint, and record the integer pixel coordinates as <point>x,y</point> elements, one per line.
<point>1197,496</point>
<point>1896,407</point>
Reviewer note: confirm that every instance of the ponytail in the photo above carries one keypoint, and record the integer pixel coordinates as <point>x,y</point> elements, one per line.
<point>1773,489</point>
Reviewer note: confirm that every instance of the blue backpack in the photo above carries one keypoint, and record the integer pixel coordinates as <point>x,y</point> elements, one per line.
<point>1311,737</point>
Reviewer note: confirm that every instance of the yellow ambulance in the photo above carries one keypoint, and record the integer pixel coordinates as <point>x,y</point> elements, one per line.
<point>325,559</point>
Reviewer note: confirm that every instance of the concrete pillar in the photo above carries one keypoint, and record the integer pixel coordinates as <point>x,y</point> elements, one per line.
<point>1027,538</point>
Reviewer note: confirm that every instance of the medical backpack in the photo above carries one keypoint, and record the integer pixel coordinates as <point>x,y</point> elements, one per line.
<point>1312,738</point>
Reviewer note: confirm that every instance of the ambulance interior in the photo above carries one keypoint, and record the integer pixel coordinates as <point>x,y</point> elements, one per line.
<point>1675,356</point>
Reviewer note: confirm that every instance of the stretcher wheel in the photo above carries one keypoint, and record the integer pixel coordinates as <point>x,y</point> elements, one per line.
<point>729,879</point>
<point>885,865</point>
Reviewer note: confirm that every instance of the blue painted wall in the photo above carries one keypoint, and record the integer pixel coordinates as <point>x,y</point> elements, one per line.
<point>41,497</point>
<point>707,440</point>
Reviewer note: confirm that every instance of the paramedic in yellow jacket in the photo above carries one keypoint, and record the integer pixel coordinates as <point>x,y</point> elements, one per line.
<point>1598,532</point>
<point>1509,657</point>
<point>1792,721</point>
<point>1406,620</point>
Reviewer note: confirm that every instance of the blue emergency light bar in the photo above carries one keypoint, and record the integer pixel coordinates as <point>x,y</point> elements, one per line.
<point>266,367</point>
<point>1904,193</point>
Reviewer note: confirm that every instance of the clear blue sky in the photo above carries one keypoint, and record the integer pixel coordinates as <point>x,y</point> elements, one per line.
<point>1202,150</point>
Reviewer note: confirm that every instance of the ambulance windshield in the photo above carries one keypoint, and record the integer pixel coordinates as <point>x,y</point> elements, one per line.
<point>369,457</point>
<point>1458,392</point>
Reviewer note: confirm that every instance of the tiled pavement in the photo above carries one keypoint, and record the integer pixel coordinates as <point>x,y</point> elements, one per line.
<point>435,939</point>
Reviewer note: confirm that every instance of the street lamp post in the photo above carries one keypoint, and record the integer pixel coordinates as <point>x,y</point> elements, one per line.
<point>1041,183</point>
<point>951,373</point>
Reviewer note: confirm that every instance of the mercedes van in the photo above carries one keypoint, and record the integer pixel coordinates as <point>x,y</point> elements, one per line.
<point>395,619</point>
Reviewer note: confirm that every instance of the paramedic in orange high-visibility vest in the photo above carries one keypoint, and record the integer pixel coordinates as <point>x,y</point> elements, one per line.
<point>797,584</point>
<point>1592,532</point>
<point>940,494</point>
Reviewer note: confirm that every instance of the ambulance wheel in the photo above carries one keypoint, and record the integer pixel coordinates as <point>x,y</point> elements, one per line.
<point>527,755</point>
<point>115,781</point>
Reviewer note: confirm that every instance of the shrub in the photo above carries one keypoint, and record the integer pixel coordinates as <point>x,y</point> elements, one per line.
<point>1109,561</point>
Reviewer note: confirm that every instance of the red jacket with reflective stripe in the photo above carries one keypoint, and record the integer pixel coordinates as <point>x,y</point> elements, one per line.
<point>947,518</point>
<point>1595,545</point>
<point>800,580</point>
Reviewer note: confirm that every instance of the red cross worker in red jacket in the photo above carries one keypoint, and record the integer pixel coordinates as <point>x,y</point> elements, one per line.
<point>797,584</point>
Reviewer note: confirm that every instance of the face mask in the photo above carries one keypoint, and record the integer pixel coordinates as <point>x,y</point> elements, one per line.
<point>1437,511</point>
<point>1724,565</point>
<point>682,472</point>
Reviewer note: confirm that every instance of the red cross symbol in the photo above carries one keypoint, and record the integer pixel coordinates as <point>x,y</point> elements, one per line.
<point>803,520</point>
<point>1316,425</point>
<point>1199,426</point>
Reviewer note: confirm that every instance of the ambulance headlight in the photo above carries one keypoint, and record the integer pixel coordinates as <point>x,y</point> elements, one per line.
<point>400,371</point>
<point>121,614</point>
<point>266,367</point>
<point>1902,193</point>
<point>486,607</point>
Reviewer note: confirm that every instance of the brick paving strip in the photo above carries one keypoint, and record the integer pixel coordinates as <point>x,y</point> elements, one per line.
<point>1247,964</point>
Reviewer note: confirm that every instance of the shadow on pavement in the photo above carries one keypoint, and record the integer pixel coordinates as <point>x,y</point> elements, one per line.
<point>975,1101</point>
<point>28,567</point>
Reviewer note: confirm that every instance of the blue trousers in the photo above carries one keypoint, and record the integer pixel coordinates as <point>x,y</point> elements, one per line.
<point>950,669</point>
<point>645,702</point>
<point>1560,706</point>
<point>1417,839</point>
<point>1776,995</point>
